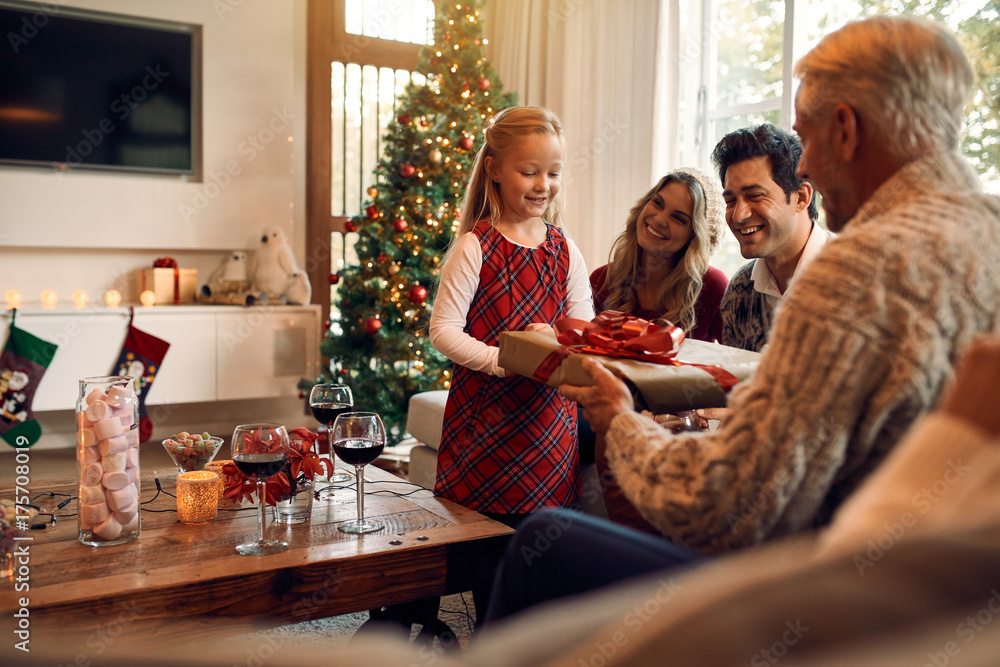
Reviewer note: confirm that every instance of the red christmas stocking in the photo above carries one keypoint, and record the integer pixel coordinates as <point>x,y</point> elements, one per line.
<point>140,358</point>
<point>22,364</point>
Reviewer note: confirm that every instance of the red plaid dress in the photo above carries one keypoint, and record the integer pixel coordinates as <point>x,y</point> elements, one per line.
<point>509,444</point>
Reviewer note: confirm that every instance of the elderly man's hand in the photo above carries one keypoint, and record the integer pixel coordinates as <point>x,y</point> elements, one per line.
<point>973,395</point>
<point>602,402</point>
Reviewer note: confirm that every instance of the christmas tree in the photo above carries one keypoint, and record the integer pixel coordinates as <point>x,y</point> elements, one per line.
<point>382,350</point>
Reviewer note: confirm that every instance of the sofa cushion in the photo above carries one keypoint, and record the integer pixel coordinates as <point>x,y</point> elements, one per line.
<point>425,416</point>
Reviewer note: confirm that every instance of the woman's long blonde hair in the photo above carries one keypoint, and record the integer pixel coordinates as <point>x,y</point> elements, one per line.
<point>679,292</point>
<point>482,195</point>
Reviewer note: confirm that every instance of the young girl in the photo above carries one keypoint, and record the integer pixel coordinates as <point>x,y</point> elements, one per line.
<point>659,264</point>
<point>509,443</point>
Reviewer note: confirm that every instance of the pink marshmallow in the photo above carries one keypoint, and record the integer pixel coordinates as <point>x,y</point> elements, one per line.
<point>133,474</point>
<point>97,411</point>
<point>82,421</point>
<point>113,462</point>
<point>109,529</point>
<point>132,435</point>
<point>115,480</point>
<point>92,474</point>
<point>95,395</point>
<point>122,498</point>
<point>85,437</point>
<point>132,525</point>
<point>94,513</point>
<point>128,512</point>
<point>132,457</point>
<point>108,428</point>
<point>118,396</point>
<point>126,416</point>
<point>113,445</point>
<point>91,494</point>
<point>91,455</point>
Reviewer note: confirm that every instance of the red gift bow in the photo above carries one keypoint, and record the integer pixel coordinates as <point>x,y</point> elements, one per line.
<point>165,263</point>
<point>618,335</point>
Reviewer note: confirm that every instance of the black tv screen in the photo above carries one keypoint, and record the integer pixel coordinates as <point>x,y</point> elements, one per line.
<point>93,90</point>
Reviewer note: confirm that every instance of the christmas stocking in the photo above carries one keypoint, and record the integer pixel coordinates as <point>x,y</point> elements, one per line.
<point>22,365</point>
<point>140,358</point>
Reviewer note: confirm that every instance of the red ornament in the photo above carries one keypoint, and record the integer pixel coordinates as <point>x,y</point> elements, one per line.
<point>407,170</point>
<point>381,258</point>
<point>417,294</point>
<point>371,212</point>
<point>350,226</point>
<point>302,395</point>
<point>484,83</point>
<point>343,371</point>
<point>423,122</point>
<point>333,278</point>
<point>372,325</point>
<point>399,225</point>
<point>404,119</point>
<point>466,143</point>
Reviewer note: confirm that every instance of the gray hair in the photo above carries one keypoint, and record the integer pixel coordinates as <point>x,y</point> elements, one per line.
<point>906,75</point>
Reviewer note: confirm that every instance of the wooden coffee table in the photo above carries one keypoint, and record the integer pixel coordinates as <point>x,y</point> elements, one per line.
<point>186,581</point>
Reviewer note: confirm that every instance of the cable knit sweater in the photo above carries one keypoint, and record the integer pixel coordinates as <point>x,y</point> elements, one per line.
<point>862,346</point>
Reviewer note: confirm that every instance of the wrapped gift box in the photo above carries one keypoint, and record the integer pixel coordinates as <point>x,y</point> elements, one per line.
<point>658,388</point>
<point>169,285</point>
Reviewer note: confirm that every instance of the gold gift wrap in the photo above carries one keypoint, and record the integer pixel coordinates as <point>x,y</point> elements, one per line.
<point>661,388</point>
<point>169,285</point>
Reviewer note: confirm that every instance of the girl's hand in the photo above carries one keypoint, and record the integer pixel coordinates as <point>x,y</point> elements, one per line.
<point>539,326</point>
<point>602,402</point>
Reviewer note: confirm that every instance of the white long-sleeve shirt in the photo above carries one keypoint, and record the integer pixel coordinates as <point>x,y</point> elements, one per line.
<point>459,282</point>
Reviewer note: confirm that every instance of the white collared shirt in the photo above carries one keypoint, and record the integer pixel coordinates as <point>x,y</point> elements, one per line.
<point>765,282</point>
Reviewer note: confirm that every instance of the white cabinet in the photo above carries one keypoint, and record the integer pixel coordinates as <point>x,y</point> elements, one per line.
<point>216,353</point>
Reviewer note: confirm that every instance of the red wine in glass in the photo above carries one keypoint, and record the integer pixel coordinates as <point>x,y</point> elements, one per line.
<point>261,466</point>
<point>327,413</point>
<point>357,452</point>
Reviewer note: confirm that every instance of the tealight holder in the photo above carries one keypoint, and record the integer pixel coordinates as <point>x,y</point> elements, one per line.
<point>197,496</point>
<point>216,467</point>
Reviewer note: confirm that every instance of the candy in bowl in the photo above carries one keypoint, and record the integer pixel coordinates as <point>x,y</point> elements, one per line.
<point>192,451</point>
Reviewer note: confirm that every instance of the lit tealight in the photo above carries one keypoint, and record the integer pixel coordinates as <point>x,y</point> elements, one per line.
<point>148,298</point>
<point>112,298</point>
<point>13,298</point>
<point>80,299</point>
<point>49,299</point>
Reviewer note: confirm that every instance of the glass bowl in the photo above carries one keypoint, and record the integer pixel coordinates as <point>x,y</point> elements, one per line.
<point>192,451</point>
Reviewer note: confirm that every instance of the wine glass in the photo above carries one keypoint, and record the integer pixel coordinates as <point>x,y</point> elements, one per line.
<point>327,402</point>
<point>260,451</point>
<point>358,439</point>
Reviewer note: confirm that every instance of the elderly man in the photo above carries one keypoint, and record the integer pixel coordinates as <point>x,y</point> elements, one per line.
<point>772,213</point>
<point>860,349</point>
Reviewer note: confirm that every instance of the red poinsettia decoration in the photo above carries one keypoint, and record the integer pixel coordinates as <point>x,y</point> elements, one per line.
<point>303,463</point>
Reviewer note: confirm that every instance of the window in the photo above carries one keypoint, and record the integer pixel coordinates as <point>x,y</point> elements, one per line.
<point>361,57</point>
<point>740,56</point>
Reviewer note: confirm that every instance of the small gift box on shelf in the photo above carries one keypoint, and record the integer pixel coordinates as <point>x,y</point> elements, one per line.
<point>170,284</point>
<point>666,372</point>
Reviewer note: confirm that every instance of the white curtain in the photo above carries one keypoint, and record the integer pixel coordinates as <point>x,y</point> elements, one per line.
<point>603,67</point>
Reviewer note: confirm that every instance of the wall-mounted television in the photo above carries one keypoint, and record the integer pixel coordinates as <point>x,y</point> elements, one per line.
<point>93,90</point>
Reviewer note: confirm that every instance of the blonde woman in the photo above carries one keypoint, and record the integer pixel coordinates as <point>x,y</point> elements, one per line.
<point>658,266</point>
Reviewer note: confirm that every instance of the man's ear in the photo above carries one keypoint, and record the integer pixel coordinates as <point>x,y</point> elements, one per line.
<point>845,129</point>
<point>805,194</point>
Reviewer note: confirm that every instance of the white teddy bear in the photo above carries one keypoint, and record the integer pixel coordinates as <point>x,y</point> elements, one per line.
<point>276,272</point>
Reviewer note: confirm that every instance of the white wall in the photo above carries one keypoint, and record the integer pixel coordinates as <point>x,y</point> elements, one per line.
<point>90,230</point>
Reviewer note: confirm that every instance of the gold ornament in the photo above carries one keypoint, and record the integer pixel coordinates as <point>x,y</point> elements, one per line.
<point>435,155</point>
<point>372,191</point>
<point>393,269</point>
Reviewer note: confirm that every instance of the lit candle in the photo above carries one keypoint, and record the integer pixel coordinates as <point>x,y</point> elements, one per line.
<point>49,299</point>
<point>112,298</point>
<point>147,298</point>
<point>197,496</point>
<point>80,299</point>
<point>13,298</point>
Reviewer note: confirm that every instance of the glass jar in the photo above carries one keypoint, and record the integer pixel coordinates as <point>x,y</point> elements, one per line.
<point>107,454</point>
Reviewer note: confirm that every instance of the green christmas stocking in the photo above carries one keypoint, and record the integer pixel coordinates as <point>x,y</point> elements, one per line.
<point>22,364</point>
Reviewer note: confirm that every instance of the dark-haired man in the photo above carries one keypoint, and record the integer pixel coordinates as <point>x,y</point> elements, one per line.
<point>772,213</point>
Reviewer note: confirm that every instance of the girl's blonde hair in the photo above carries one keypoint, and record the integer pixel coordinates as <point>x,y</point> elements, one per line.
<point>679,292</point>
<point>482,195</point>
